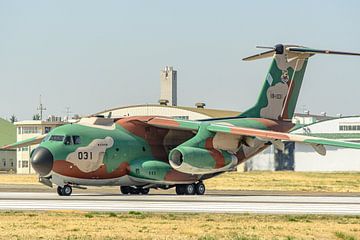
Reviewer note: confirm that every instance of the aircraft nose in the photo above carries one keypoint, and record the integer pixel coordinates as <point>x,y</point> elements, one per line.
<point>42,161</point>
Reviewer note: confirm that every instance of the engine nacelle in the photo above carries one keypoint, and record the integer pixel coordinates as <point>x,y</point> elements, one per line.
<point>195,160</point>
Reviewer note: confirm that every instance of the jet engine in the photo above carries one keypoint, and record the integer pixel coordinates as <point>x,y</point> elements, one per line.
<point>193,160</point>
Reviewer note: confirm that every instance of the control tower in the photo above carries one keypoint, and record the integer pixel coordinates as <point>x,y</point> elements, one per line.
<point>168,86</point>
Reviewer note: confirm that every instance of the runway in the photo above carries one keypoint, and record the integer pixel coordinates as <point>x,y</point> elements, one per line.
<point>172,203</point>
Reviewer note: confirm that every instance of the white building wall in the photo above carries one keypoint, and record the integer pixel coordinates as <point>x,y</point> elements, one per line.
<point>26,130</point>
<point>336,159</point>
<point>7,160</point>
<point>168,85</point>
<point>332,126</point>
<point>23,154</point>
<point>263,161</point>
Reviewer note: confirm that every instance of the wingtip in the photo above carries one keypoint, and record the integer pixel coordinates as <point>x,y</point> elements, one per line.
<point>6,147</point>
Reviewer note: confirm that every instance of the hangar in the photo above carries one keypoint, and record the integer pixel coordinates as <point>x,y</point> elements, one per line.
<point>168,104</point>
<point>184,113</point>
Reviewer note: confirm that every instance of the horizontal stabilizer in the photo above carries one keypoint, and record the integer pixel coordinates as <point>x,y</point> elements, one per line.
<point>260,55</point>
<point>315,51</point>
<point>280,49</point>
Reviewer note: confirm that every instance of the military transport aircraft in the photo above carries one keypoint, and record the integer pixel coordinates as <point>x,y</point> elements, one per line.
<point>139,153</point>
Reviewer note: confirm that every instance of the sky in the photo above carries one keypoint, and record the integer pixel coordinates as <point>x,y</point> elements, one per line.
<point>95,55</point>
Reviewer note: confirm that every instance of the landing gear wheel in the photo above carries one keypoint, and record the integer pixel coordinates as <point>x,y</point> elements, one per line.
<point>200,188</point>
<point>59,191</point>
<point>144,191</point>
<point>190,189</point>
<point>134,190</point>
<point>180,190</point>
<point>125,190</point>
<point>66,190</point>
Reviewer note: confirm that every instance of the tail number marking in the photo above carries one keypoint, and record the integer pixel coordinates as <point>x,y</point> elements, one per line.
<point>84,155</point>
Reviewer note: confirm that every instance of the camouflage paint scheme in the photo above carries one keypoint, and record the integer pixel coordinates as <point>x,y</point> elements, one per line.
<point>157,151</point>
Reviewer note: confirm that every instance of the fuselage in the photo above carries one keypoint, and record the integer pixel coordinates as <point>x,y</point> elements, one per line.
<point>127,151</point>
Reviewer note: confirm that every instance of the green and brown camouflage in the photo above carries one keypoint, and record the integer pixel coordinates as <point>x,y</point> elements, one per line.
<point>282,85</point>
<point>157,152</point>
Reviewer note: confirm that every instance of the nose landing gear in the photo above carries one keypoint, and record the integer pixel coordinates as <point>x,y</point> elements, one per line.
<point>64,191</point>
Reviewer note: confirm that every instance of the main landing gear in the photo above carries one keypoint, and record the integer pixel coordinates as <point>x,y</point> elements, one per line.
<point>190,189</point>
<point>134,190</point>
<point>64,191</point>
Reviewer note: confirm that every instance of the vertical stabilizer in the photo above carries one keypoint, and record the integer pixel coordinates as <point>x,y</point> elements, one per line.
<point>282,85</point>
<point>283,81</point>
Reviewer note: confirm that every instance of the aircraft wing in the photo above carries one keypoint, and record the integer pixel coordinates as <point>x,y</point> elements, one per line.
<point>277,137</point>
<point>24,143</point>
<point>171,123</point>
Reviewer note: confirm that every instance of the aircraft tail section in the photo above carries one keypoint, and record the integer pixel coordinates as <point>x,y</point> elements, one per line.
<point>279,94</point>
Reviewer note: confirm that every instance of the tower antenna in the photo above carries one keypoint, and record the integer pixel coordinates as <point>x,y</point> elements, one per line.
<point>41,108</point>
<point>68,111</point>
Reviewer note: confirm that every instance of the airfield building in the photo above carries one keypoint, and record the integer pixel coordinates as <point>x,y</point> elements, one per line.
<point>301,157</point>
<point>7,136</point>
<point>29,129</point>
<point>168,86</point>
<point>184,113</point>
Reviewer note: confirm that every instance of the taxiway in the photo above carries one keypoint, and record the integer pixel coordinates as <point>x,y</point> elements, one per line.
<point>269,204</point>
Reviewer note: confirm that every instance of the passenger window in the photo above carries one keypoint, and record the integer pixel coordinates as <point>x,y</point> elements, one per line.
<point>67,140</point>
<point>76,139</point>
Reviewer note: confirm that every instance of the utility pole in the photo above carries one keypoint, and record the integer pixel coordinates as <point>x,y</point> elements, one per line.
<point>41,108</point>
<point>67,113</point>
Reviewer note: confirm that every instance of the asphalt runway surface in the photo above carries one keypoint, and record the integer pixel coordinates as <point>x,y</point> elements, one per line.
<point>210,203</point>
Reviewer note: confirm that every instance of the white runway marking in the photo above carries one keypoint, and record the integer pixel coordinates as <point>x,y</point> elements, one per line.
<point>173,203</point>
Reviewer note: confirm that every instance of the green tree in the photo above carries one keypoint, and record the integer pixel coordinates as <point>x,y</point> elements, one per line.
<point>36,117</point>
<point>13,118</point>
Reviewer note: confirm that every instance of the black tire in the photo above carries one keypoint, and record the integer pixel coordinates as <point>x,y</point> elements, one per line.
<point>134,190</point>
<point>59,191</point>
<point>190,189</point>
<point>125,190</point>
<point>180,190</point>
<point>144,191</point>
<point>66,190</point>
<point>200,188</point>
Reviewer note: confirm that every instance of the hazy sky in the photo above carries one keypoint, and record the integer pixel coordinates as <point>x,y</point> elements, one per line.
<point>92,55</point>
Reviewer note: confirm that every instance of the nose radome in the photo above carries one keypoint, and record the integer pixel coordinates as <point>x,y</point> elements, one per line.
<point>42,161</point>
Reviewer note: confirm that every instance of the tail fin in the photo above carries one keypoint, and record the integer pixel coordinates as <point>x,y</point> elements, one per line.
<point>282,85</point>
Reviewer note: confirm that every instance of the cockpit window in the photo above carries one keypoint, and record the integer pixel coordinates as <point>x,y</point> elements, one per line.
<point>76,140</point>
<point>57,138</point>
<point>67,140</point>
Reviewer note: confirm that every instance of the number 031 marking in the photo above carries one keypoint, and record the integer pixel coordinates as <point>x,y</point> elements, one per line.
<point>85,155</point>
